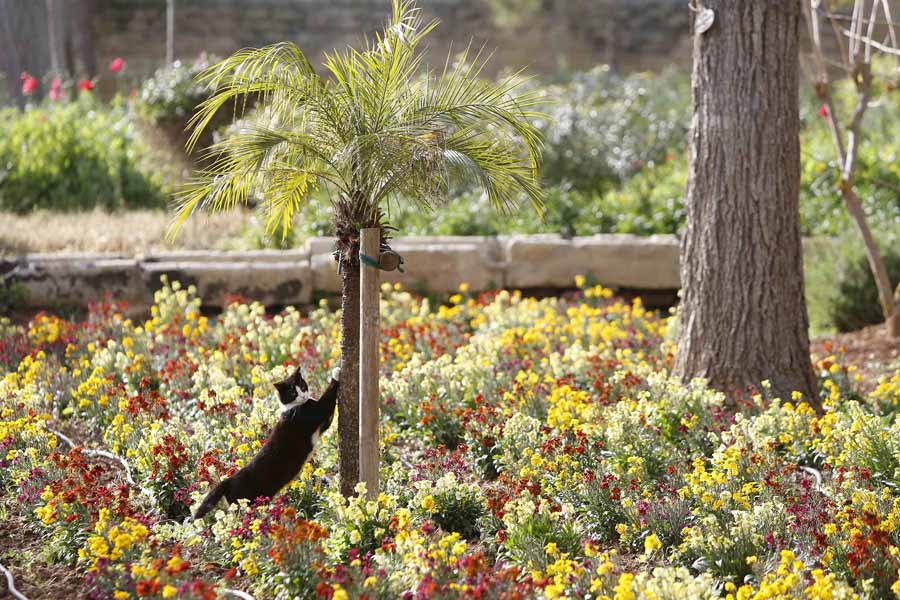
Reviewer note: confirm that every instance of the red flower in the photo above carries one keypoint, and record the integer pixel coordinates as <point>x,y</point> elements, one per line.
<point>86,84</point>
<point>823,111</point>
<point>147,587</point>
<point>29,83</point>
<point>56,91</point>
<point>117,64</point>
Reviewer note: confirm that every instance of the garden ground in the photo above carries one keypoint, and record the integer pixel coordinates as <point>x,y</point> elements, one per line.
<point>874,354</point>
<point>531,448</point>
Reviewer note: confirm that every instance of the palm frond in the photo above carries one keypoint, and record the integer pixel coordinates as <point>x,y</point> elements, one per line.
<point>287,194</point>
<point>279,75</point>
<point>373,128</point>
<point>498,166</point>
<point>220,192</point>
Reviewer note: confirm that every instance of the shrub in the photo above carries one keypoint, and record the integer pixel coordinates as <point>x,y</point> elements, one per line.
<point>168,100</point>
<point>535,534</point>
<point>650,202</point>
<point>840,288</point>
<point>604,128</point>
<point>172,93</point>
<point>455,506</point>
<point>73,156</point>
<point>856,304</point>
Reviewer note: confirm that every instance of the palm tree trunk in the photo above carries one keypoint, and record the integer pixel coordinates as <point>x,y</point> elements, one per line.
<point>348,393</point>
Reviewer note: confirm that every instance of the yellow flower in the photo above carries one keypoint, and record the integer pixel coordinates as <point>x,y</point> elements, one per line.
<point>551,549</point>
<point>623,589</point>
<point>121,595</point>
<point>169,591</point>
<point>249,566</point>
<point>122,541</point>
<point>428,503</point>
<point>340,594</point>
<point>651,544</point>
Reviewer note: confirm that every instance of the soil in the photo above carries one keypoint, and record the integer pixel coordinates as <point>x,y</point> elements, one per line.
<point>20,552</point>
<point>869,349</point>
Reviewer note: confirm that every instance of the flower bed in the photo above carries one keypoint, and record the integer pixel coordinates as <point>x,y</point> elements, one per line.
<point>530,449</point>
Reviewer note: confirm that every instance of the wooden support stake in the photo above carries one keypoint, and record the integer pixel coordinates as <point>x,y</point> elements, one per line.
<point>170,32</point>
<point>369,359</point>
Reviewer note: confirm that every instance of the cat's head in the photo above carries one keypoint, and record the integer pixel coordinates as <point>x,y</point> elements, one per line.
<point>292,391</point>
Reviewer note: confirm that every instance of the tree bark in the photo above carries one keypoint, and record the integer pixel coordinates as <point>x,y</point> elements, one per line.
<point>23,33</point>
<point>82,25</point>
<point>348,393</point>
<point>743,317</point>
<point>9,53</point>
<point>54,39</point>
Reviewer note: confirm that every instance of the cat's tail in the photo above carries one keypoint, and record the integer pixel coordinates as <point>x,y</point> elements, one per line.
<point>212,499</point>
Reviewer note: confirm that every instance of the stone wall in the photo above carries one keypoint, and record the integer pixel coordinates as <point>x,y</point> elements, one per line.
<point>279,278</point>
<point>632,33</point>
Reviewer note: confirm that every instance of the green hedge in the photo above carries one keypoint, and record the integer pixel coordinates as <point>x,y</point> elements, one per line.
<point>74,156</point>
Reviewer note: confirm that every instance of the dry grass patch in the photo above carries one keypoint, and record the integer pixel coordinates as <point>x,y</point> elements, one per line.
<point>128,232</point>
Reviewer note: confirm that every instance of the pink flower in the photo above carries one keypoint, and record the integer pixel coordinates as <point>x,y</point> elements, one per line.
<point>29,83</point>
<point>56,91</point>
<point>117,64</point>
<point>86,84</point>
<point>823,111</point>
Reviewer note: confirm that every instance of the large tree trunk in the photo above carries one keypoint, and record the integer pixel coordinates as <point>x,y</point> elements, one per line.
<point>743,317</point>
<point>82,31</point>
<point>9,54</point>
<point>348,393</point>
<point>54,39</point>
<point>23,34</point>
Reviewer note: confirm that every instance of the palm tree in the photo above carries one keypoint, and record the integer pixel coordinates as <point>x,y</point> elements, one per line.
<point>373,128</point>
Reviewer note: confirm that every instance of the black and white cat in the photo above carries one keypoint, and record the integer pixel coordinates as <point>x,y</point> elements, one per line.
<point>303,420</point>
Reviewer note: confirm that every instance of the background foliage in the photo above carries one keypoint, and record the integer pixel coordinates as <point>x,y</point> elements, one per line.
<point>615,161</point>
<point>74,156</point>
<point>172,93</point>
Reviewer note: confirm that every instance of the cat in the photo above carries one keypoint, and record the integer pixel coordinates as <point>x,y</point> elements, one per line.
<point>303,420</point>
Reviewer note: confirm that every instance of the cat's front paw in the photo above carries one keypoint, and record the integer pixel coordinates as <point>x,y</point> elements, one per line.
<point>336,374</point>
